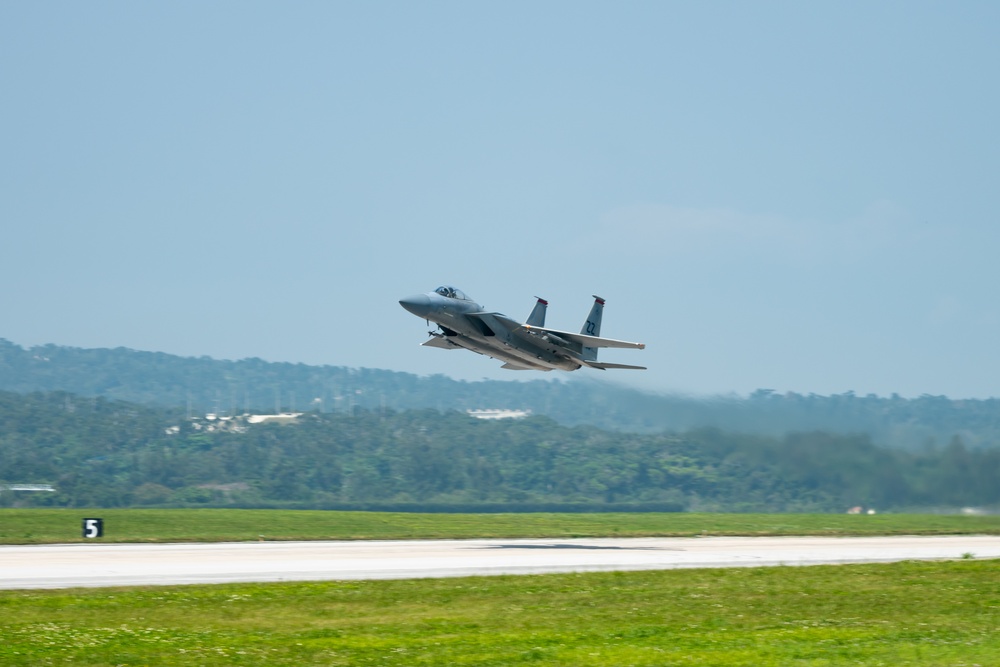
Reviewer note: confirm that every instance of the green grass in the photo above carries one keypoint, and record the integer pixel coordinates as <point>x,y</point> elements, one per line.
<point>898,614</point>
<point>38,526</point>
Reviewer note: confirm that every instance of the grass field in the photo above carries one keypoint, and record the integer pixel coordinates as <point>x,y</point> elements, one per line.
<point>899,614</point>
<point>37,526</point>
<point>911,613</point>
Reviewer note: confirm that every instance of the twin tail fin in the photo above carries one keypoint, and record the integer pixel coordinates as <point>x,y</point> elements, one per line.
<point>537,317</point>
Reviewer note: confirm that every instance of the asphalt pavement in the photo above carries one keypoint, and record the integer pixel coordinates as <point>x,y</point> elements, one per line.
<point>95,564</point>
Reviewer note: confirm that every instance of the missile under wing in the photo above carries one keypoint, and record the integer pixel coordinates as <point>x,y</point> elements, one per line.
<point>464,324</point>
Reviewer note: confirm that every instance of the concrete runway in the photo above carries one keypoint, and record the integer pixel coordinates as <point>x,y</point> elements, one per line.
<point>92,565</point>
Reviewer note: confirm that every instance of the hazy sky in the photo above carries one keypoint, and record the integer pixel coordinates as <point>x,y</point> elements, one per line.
<point>798,196</point>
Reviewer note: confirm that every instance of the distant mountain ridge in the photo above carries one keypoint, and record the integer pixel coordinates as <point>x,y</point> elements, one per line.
<point>204,384</point>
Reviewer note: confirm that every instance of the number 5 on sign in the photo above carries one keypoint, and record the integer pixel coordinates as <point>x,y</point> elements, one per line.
<point>93,528</point>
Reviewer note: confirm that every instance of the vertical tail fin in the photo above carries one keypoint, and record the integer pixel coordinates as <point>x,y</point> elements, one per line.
<point>592,327</point>
<point>537,317</point>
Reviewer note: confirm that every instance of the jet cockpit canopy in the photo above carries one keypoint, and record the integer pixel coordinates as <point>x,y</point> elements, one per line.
<point>452,293</point>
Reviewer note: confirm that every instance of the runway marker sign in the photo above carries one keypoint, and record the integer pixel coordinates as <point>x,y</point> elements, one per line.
<point>93,528</point>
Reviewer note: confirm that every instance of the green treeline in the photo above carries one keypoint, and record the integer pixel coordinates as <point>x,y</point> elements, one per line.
<point>100,452</point>
<point>201,385</point>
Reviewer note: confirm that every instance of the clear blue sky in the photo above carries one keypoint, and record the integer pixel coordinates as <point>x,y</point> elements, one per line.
<point>795,196</point>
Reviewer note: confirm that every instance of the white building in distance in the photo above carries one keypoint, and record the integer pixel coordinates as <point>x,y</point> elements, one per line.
<point>498,414</point>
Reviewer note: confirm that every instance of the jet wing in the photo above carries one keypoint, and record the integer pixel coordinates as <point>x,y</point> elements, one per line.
<point>495,321</point>
<point>441,342</point>
<point>586,341</point>
<point>518,367</point>
<point>600,365</point>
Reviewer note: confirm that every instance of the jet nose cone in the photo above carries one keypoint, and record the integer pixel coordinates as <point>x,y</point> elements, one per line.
<point>418,304</point>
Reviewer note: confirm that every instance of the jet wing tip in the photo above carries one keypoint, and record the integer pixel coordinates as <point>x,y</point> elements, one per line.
<point>602,366</point>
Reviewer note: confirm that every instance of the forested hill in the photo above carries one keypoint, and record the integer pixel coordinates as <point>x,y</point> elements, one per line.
<point>106,453</point>
<point>200,385</point>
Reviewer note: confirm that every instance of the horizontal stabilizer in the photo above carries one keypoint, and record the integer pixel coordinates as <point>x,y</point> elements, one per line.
<point>587,341</point>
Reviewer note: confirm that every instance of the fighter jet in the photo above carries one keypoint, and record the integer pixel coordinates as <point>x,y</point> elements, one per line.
<point>531,346</point>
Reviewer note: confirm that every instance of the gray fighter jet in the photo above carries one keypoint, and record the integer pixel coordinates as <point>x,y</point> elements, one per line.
<point>531,346</point>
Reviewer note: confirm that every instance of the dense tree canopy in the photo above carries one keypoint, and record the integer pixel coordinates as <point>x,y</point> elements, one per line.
<point>100,452</point>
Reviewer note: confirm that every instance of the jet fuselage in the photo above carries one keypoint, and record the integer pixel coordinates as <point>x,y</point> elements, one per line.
<point>484,333</point>
<point>464,324</point>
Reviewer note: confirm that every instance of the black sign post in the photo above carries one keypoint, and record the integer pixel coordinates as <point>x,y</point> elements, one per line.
<point>93,528</point>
